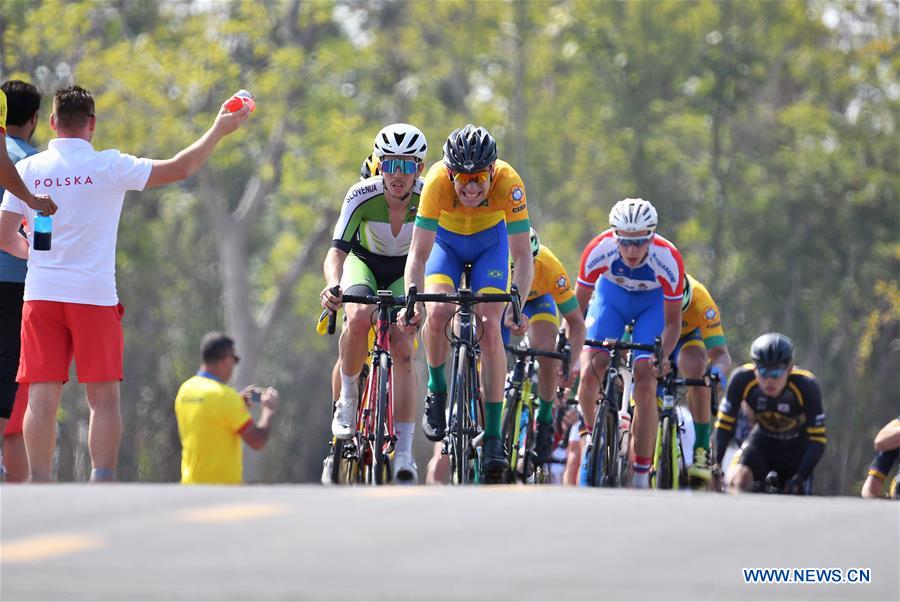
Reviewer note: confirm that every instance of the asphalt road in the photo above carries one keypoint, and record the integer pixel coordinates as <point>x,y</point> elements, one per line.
<point>167,542</point>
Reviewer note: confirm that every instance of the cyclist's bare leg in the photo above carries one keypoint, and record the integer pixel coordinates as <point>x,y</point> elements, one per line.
<point>438,467</point>
<point>542,336</point>
<point>105,429</point>
<point>646,417</point>
<point>573,462</point>
<point>692,361</point>
<point>354,343</point>
<point>493,355</point>
<point>406,382</point>
<point>872,488</point>
<point>40,428</point>
<point>15,459</point>
<point>437,347</point>
<point>593,367</point>
<point>336,378</point>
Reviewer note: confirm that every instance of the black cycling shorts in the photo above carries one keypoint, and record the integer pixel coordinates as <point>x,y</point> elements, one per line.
<point>763,453</point>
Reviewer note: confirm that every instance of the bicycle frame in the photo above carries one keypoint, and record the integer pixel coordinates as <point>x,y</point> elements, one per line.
<point>464,431</point>
<point>520,392</point>
<point>375,438</point>
<point>668,455</point>
<point>606,467</point>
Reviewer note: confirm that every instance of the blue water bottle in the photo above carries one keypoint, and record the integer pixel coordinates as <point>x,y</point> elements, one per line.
<point>43,231</point>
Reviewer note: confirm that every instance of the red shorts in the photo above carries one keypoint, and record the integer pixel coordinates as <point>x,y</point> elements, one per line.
<point>52,331</point>
<point>14,425</point>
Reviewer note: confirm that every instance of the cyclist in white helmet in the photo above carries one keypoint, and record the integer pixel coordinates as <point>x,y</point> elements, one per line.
<point>368,253</point>
<point>641,278</point>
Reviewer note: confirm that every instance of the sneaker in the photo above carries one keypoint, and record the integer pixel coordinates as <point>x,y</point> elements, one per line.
<point>405,470</point>
<point>434,422</point>
<point>543,447</point>
<point>344,423</point>
<point>700,468</point>
<point>494,456</point>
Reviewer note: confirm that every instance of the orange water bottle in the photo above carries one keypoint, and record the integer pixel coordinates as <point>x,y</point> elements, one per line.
<point>240,98</point>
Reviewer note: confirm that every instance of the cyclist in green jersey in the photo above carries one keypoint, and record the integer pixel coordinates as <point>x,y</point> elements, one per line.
<point>368,253</point>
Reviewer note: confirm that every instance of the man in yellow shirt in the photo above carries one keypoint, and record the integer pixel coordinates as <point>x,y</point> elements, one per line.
<point>213,418</point>
<point>472,210</point>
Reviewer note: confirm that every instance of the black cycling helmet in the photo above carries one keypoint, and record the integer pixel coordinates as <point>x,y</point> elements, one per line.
<point>772,349</point>
<point>469,150</point>
<point>369,168</point>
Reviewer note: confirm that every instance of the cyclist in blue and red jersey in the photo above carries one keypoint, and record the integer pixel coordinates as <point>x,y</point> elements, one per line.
<point>641,278</point>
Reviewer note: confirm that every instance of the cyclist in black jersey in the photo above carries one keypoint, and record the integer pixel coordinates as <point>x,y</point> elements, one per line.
<point>787,402</point>
<point>887,451</point>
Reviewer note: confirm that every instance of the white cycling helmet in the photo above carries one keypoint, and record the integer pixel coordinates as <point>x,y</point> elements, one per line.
<point>400,139</point>
<point>633,215</point>
<point>535,242</point>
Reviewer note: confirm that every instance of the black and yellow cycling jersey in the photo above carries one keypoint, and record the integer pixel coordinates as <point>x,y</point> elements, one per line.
<point>794,414</point>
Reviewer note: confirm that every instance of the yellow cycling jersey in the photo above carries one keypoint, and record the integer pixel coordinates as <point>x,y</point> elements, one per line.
<point>439,206</point>
<point>550,278</point>
<point>703,314</point>
<point>2,112</point>
<point>210,417</point>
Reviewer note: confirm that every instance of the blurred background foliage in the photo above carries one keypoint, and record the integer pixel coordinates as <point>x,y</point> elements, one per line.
<point>764,132</point>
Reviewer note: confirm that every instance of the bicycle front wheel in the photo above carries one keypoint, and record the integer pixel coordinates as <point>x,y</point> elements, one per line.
<point>382,471</point>
<point>597,459</point>
<point>665,466</point>
<point>511,421</point>
<point>459,396</point>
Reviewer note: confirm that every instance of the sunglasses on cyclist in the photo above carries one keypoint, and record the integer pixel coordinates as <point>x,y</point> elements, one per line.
<point>633,241</point>
<point>406,166</point>
<point>479,177</point>
<point>772,373</point>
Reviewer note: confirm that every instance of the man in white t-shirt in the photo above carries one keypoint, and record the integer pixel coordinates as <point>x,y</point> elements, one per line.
<point>71,305</point>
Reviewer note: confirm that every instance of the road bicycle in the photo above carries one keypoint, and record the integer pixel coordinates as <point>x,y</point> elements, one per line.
<point>366,457</point>
<point>520,409</point>
<point>465,424</point>
<point>669,469</point>
<point>609,447</point>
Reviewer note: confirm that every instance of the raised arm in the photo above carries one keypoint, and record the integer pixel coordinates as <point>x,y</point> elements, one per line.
<point>12,181</point>
<point>190,159</point>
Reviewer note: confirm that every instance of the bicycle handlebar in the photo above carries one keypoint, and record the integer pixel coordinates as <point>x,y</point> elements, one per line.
<point>464,297</point>
<point>623,346</point>
<point>529,352</point>
<point>378,299</point>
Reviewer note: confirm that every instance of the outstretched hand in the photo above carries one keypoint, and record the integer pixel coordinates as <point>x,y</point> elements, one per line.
<point>228,122</point>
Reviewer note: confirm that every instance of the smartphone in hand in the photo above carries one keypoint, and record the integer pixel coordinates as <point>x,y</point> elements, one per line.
<point>256,395</point>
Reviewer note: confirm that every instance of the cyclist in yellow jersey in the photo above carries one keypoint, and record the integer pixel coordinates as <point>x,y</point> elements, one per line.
<point>472,210</point>
<point>702,341</point>
<point>9,177</point>
<point>551,294</point>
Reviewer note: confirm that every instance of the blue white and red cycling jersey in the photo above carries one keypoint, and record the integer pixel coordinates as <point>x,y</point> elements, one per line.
<point>663,267</point>
<point>625,294</point>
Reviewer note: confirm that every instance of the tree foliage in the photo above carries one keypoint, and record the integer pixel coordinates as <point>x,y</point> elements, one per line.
<point>764,132</point>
